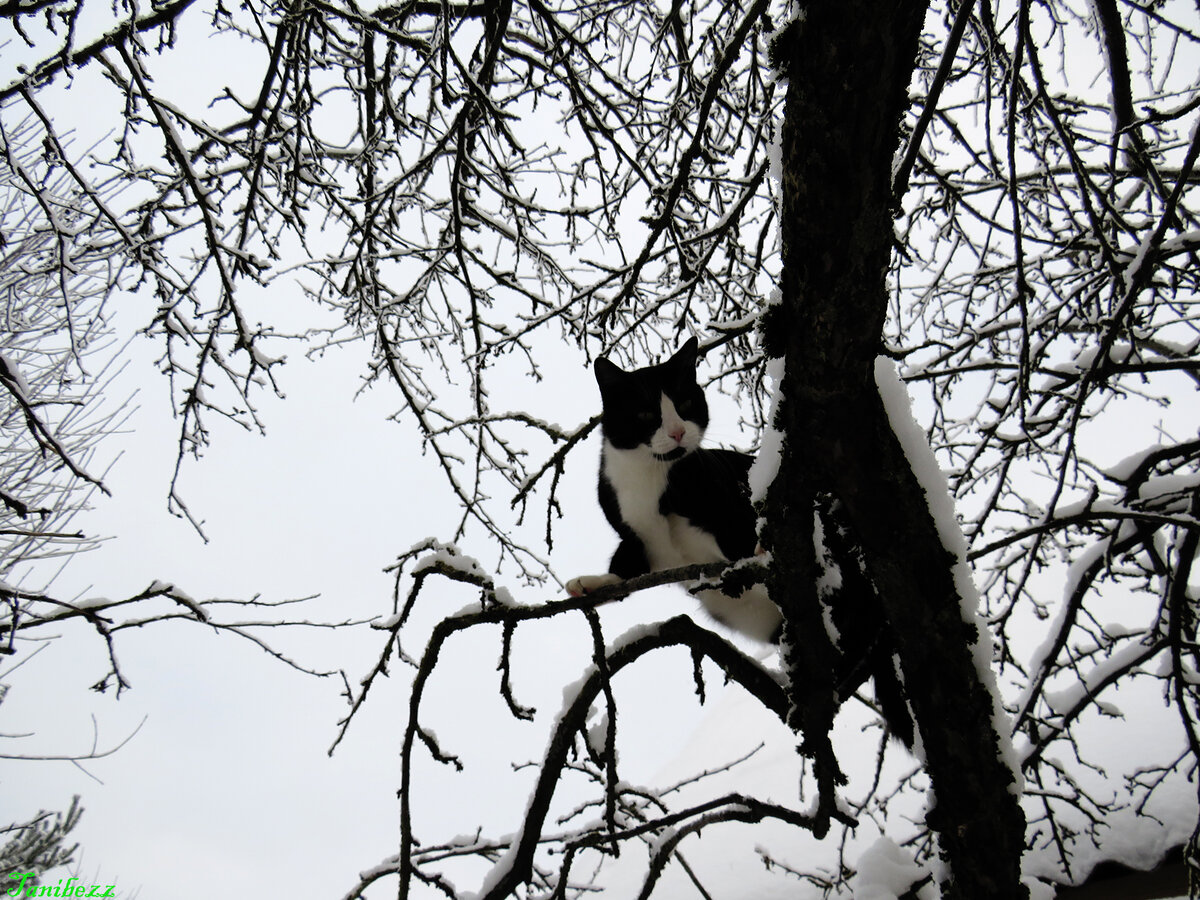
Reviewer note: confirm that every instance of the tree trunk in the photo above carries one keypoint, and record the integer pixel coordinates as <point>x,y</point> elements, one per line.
<point>848,65</point>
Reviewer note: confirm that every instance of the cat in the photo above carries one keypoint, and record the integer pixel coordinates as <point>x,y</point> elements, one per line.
<point>671,501</point>
<point>675,503</point>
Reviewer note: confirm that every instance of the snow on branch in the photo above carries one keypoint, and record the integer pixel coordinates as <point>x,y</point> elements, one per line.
<point>514,857</point>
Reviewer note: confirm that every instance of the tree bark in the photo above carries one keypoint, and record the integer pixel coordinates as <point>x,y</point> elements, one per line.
<point>848,65</point>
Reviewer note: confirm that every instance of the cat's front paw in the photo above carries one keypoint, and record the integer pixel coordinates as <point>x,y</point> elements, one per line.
<point>585,584</point>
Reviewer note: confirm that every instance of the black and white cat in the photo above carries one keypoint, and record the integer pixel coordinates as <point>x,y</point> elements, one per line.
<point>672,502</point>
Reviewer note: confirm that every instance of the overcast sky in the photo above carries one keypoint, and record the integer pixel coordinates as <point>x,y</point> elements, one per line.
<point>228,778</point>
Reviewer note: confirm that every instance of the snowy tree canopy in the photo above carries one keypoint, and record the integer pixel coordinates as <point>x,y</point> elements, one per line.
<point>456,187</point>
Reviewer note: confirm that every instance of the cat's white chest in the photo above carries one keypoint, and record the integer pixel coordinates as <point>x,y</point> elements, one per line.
<point>638,480</point>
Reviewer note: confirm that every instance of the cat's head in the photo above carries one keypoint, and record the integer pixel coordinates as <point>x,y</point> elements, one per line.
<point>659,409</point>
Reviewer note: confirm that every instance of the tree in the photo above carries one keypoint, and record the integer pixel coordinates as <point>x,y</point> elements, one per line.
<point>59,267</point>
<point>61,263</point>
<point>38,845</point>
<point>839,136</point>
<point>463,183</point>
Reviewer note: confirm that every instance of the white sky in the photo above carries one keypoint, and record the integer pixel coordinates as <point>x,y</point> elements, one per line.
<point>228,778</point>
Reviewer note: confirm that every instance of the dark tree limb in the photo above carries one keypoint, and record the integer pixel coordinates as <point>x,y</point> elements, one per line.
<point>848,67</point>
<point>165,15</point>
<point>680,631</point>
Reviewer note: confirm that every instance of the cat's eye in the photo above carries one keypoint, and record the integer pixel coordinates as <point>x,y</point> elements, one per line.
<point>647,415</point>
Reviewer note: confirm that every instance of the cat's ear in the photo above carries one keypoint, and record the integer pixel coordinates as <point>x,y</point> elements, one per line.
<point>608,373</point>
<point>685,357</point>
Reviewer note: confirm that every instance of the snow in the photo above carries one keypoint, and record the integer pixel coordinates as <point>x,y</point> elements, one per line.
<point>1091,681</point>
<point>830,578</point>
<point>738,323</point>
<point>727,857</point>
<point>884,872</point>
<point>449,556</point>
<point>1145,245</point>
<point>770,450</point>
<point>1162,495</point>
<point>941,506</point>
<point>1131,839</point>
<point>775,155</point>
<point>1040,659</point>
<point>1122,470</point>
<point>262,360</point>
<point>1085,360</point>
<point>387,623</point>
<point>499,871</point>
<point>91,603</point>
<point>12,378</point>
<point>597,734</point>
<point>1167,485</point>
<point>1180,243</point>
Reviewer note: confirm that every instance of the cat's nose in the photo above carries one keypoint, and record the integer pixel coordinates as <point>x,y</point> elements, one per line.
<point>676,434</point>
